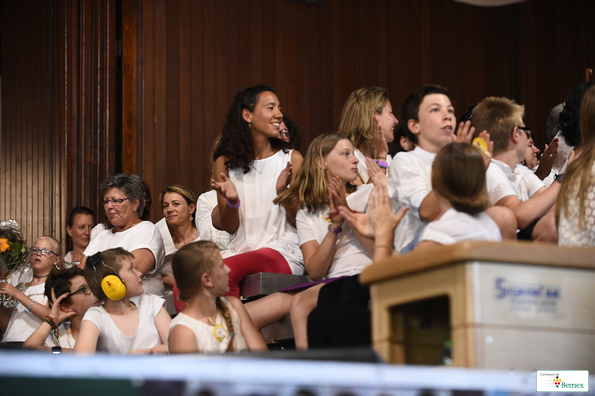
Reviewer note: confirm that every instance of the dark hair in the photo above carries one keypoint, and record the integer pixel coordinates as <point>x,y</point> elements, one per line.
<point>295,138</point>
<point>148,202</point>
<point>410,108</point>
<point>570,117</point>
<point>111,265</point>
<point>79,210</point>
<point>236,141</point>
<point>403,130</point>
<point>458,174</point>
<point>60,281</point>
<point>468,114</point>
<point>131,185</point>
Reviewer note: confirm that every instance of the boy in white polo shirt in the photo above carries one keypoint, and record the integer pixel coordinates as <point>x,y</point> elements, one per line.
<point>429,115</point>
<point>510,184</point>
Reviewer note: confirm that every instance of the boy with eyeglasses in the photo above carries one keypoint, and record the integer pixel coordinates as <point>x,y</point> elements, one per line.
<point>70,297</point>
<point>512,185</point>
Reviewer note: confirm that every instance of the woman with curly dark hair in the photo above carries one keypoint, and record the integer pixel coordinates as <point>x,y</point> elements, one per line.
<point>252,167</point>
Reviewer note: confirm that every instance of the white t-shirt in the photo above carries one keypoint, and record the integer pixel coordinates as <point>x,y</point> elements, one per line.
<point>22,322</point>
<point>410,180</point>
<point>262,223</point>
<point>205,333</point>
<point>454,226</point>
<point>112,340</point>
<point>142,236</point>
<point>350,258</point>
<point>362,168</point>
<point>170,247</point>
<point>502,182</point>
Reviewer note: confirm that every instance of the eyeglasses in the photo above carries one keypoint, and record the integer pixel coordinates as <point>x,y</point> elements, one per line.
<point>115,201</point>
<point>525,129</point>
<point>84,288</point>
<point>45,251</point>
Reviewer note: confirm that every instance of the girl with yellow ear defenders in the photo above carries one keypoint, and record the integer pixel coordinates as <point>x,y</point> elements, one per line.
<point>129,321</point>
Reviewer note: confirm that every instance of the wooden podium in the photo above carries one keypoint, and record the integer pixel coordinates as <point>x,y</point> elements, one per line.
<point>502,305</point>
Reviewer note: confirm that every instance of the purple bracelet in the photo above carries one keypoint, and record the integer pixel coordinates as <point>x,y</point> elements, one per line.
<point>233,206</point>
<point>382,164</point>
<point>335,230</point>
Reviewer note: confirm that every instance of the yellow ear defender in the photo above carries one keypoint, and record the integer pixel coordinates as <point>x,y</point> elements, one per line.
<point>113,287</point>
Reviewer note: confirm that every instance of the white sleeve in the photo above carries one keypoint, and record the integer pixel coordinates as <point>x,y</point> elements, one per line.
<point>147,236</point>
<point>534,183</point>
<point>498,185</point>
<point>435,234</point>
<point>95,316</point>
<point>410,181</point>
<point>304,227</point>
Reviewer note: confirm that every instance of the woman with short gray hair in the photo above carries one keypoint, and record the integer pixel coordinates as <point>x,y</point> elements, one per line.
<point>123,201</point>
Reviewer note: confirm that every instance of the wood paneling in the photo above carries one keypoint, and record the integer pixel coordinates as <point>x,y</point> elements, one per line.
<point>184,59</point>
<point>58,107</point>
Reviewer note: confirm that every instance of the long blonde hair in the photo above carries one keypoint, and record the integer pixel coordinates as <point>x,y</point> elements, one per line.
<point>189,264</point>
<point>579,172</point>
<point>357,117</point>
<point>309,186</point>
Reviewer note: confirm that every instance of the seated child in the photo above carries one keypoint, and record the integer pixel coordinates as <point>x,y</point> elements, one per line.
<point>458,180</point>
<point>129,321</point>
<point>46,254</point>
<point>512,185</point>
<point>208,323</point>
<point>68,309</point>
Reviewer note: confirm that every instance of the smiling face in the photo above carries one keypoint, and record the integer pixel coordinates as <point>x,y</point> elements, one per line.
<point>131,278</point>
<point>341,162</point>
<point>531,154</point>
<point>388,121</point>
<point>119,214</point>
<point>80,232</point>
<point>176,210</point>
<point>41,264</point>
<point>266,117</point>
<point>81,302</point>
<point>436,124</point>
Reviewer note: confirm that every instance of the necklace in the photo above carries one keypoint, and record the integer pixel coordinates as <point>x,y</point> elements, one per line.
<point>218,330</point>
<point>259,171</point>
<point>184,243</point>
<point>40,276</point>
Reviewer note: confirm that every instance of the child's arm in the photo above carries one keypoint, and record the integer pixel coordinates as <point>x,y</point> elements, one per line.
<point>253,337</point>
<point>162,321</point>
<point>37,339</point>
<point>536,206</point>
<point>39,310</point>
<point>87,338</point>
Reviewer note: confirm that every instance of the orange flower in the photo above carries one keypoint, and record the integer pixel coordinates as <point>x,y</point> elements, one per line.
<point>4,246</point>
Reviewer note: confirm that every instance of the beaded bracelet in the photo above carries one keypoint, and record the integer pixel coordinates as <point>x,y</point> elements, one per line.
<point>49,320</point>
<point>233,206</point>
<point>335,230</point>
<point>31,306</point>
<point>382,164</point>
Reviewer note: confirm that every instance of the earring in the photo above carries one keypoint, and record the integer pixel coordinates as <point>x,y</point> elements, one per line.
<point>249,125</point>
<point>57,266</point>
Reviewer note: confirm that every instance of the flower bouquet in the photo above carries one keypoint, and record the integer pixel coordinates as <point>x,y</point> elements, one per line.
<point>14,255</point>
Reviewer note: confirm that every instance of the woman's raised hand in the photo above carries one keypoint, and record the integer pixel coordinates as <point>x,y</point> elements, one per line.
<point>379,139</point>
<point>226,188</point>
<point>376,174</point>
<point>284,178</point>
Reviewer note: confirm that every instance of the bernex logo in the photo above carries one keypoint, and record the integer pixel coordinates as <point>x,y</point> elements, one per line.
<point>569,381</point>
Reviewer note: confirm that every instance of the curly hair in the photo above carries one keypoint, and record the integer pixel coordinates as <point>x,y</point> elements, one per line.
<point>295,138</point>
<point>357,117</point>
<point>309,186</point>
<point>235,144</point>
<point>570,117</point>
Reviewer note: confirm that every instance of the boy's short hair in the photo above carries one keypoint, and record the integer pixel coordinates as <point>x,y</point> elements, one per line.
<point>410,108</point>
<point>111,265</point>
<point>60,281</point>
<point>498,116</point>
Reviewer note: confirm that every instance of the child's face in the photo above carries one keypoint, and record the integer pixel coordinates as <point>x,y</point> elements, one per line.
<point>80,301</point>
<point>436,126</point>
<point>131,278</point>
<point>220,276</point>
<point>41,263</point>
